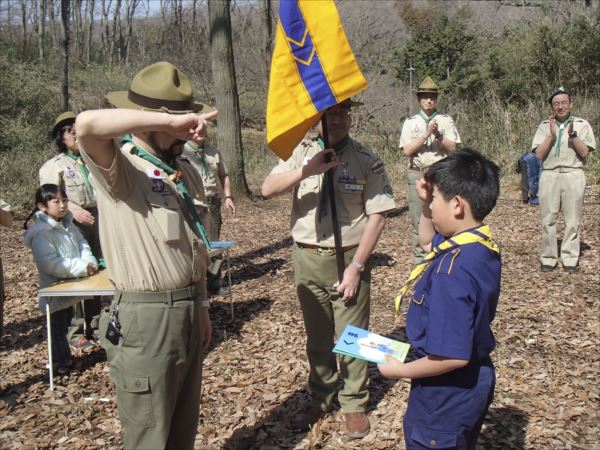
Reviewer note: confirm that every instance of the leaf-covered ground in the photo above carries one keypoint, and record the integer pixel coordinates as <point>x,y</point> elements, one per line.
<point>547,359</point>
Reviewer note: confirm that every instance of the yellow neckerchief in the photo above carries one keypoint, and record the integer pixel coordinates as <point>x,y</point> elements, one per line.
<point>481,235</point>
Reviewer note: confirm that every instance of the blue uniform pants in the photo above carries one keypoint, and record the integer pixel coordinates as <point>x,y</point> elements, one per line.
<point>448,411</point>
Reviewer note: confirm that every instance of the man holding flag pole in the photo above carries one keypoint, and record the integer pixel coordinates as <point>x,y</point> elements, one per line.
<point>340,195</point>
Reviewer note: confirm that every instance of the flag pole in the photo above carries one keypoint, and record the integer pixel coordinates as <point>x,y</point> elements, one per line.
<point>337,238</point>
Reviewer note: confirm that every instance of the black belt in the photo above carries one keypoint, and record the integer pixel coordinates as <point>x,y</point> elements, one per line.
<point>187,293</point>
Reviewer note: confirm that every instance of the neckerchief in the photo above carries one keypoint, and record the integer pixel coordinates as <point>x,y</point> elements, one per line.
<point>177,177</point>
<point>83,170</point>
<point>481,235</point>
<point>201,154</point>
<point>561,127</point>
<point>324,197</point>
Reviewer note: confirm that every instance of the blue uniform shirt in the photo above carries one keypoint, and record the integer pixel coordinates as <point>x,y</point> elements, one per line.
<point>454,303</point>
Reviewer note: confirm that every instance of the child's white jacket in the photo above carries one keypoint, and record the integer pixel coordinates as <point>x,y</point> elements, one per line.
<point>60,251</point>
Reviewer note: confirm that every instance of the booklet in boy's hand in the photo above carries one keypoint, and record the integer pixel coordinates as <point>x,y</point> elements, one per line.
<point>363,344</point>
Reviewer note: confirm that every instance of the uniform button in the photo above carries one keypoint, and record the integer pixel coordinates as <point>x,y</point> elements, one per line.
<point>433,442</point>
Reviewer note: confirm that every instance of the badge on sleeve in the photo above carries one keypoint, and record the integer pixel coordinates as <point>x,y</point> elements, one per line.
<point>158,185</point>
<point>377,167</point>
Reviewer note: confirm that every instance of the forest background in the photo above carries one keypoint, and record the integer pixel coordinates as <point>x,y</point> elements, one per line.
<point>495,61</point>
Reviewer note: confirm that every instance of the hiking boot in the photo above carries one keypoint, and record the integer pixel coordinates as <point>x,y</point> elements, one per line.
<point>307,418</point>
<point>546,269</point>
<point>81,343</point>
<point>357,424</point>
<point>571,269</point>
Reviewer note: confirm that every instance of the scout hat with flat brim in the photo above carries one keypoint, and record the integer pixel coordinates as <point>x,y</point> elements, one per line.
<point>428,86</point>
<point>159,87</point>
<point>558,90</point>
<point>66,118</point>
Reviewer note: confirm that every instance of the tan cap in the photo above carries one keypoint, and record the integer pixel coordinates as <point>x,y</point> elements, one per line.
<point>159,87</point>
<point>428,86</point>
<point>557,91</point>
<point>66,118</point>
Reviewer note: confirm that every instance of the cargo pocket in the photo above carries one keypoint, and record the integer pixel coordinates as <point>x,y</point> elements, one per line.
<point>434,438</point>
<point>134,399</point>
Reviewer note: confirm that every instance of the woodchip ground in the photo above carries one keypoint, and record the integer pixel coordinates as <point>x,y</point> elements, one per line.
<point>547,359</point>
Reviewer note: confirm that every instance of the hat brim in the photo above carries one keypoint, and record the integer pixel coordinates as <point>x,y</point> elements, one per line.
<point>59,125</point>
<point>427,91</point>
<point>120,99</point>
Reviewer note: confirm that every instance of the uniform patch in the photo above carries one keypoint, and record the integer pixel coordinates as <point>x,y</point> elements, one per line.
<point>154,173</point>
<point>377,167</point>
<point>158,185</point>
<point>346,177</point>
<point>417,128</point>
<point>388,191</point>
<point>70,172</point>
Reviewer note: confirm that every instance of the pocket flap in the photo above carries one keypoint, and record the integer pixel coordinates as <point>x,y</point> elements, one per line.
<point>134,385</point>
<point>434,438</point>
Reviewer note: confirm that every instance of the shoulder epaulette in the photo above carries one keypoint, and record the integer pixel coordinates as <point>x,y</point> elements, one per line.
<point>446,261</point>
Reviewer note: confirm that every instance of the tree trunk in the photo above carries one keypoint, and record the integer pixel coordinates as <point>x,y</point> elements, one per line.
<point>24,25</point>
<point>64,47</point>
<point>41,28</point>
<point>90,32</point>
<point>229,134</point>
<point>54,32</point>
<point>267,35</point>
<point>115,36</point>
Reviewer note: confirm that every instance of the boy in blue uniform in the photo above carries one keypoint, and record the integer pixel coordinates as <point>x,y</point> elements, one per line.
<point>453,295</point>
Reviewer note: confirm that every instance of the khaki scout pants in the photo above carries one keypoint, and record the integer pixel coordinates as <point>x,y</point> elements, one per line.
<point>157,371</point>
<point>213,273</point>
<point>325,316</point>
<point>415,206</point>
<point>561,189</point>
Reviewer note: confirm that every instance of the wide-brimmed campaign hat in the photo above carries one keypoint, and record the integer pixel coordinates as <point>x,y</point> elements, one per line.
<point>428,86</point>
<point>159,87</point>
<point>66,118</point>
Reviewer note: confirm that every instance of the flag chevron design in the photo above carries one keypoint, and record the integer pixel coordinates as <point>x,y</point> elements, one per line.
<point>312,69</point>
<point>306,56</point>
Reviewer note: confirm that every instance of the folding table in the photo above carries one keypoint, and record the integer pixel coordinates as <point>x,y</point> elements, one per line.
<point>76,290</point>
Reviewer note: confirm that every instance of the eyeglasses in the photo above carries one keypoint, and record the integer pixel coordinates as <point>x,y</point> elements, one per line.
<point>338,113</point>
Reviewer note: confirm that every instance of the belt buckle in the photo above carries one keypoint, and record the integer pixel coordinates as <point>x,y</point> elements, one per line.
<point>325,251</point>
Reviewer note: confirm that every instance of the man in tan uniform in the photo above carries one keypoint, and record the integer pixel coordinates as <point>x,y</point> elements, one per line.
<point>68,169</point>
<point>426,138</point>
<point>562,143</point>
<point>154,244</point>
<point>207,159</point>
<point>363,195</point>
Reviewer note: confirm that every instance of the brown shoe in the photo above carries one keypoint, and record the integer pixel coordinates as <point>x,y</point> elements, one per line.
<point>357,424</point>
<point>307,418</point>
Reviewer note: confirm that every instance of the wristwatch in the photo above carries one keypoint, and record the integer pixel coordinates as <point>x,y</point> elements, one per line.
<point>358,266</point>
<point>572,134</point>
<point>439,137</point>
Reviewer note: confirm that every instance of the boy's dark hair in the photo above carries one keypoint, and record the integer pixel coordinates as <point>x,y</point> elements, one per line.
<point>43,195</point>
<point>59,139</point>
<point>467,173</point>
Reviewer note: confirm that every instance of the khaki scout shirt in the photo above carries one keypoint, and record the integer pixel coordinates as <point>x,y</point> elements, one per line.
<point>62,169</point>
<point>361,186</point>
<point>146,240</point>
<point>215,165</point>
<point>414,127</point>
<point>568,157</point>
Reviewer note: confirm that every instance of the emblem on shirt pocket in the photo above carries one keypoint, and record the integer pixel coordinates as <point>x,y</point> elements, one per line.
<point>71,172</point>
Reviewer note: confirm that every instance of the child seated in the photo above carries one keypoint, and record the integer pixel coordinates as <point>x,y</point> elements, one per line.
<point>60,252</point>
<point>453,296</point>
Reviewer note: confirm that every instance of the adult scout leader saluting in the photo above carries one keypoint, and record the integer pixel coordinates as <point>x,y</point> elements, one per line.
<point>154,244</point>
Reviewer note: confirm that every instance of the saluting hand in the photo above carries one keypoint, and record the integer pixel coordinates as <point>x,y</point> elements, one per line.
<point>189,126</point>
<point>424,190</point>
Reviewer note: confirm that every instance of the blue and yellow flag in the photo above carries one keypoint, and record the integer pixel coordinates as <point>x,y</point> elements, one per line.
<point>313,68</point>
